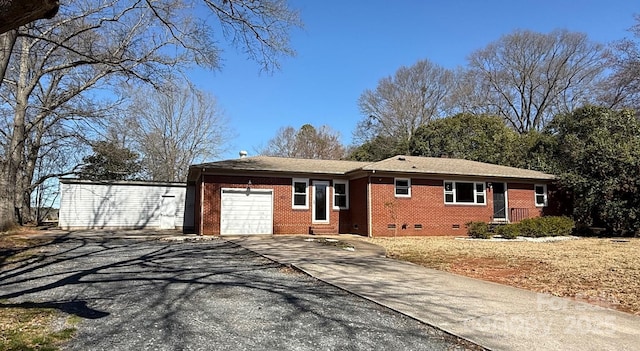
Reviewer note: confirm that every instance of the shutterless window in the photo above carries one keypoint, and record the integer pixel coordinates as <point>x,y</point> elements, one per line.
<point>340,194</point>
<point>464,193</point>
<point>479,193</point>
<point>448,192</point>
<point>300,197</point>
<point>541,195</point>
<point>403,187</point>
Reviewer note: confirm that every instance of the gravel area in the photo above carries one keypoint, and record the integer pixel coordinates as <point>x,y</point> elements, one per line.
<point>209,295</point>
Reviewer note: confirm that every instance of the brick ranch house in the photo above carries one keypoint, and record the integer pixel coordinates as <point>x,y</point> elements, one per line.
<point>402,195</point>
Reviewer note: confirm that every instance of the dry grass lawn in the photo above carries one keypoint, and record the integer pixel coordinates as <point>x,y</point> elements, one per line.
<point>27,328</point>
<point>605,272</point>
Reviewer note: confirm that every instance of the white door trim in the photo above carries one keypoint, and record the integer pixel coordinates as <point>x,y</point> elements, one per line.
<point>506,204</point>
<point>313,201</point>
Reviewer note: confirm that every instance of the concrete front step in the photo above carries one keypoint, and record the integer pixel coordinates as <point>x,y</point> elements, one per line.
<point>322,230</point>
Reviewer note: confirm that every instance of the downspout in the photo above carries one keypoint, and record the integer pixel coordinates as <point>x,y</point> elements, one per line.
<point>369,209</point>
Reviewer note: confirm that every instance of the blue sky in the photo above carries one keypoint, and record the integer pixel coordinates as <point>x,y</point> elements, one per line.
<point>348,46</point>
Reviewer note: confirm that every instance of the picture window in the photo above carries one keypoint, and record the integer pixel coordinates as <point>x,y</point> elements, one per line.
<point>464,193</point>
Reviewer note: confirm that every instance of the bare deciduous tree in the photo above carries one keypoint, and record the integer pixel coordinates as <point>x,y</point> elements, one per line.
<point>307,142</point>
<point>528,77</point>
<point>405,101</point>
<point>283,144</point>
<point>57,66</point>
<point>60,69</point>
<point>260,28</point>
<point>621,89</point>
<point>173,127</point>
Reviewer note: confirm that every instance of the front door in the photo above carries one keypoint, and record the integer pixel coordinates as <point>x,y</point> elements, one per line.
<point>320,201</point>
<point>499,202</point>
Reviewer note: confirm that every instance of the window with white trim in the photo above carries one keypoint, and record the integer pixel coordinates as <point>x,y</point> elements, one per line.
<point>541,195</point>
<point>465,193</point>
<point>300,198</point>
<point>340,194</point>
<point>403,187</point>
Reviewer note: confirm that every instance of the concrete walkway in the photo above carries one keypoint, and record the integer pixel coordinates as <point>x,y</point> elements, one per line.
<point>492,315</point>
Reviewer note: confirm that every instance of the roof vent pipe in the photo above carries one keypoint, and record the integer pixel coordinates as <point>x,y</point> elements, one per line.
<point>243,154</point>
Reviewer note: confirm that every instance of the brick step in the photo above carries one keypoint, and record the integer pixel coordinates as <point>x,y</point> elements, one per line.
<point>322,230</point>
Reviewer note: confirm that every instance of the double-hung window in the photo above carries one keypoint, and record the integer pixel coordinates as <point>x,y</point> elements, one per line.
<point>465,193</point>
<point>541,195</point>
<point>300,188</point>
<point>403,187</point>
<point>340,194</point>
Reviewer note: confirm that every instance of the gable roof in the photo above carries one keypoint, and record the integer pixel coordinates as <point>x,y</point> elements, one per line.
<point>396,164</point>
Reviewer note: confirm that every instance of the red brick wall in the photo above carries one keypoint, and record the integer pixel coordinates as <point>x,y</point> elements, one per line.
<point>521,199</point>
<point>426,207</point>
<point>286,220</point>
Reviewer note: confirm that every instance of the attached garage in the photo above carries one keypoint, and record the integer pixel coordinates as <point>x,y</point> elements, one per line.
<point>125,205</point>
<point>246,211</point>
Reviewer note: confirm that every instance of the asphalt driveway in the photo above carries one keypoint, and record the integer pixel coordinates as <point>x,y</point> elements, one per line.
<point>214,295</point>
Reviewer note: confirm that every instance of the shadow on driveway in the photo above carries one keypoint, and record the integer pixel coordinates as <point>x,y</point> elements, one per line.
<point>213,295</point>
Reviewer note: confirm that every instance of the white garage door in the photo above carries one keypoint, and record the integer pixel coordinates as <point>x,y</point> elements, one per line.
<point>246,211</point>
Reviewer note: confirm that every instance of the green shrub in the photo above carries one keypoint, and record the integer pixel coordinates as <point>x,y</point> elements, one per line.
<point>508,231</point>
<point>479,230</point>
<point>546,226</point>
<point>559,226</point>
<point>531,227</point>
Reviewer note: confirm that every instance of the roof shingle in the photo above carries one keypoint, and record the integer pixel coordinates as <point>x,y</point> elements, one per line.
<point>283,164</point>
<point>396,164</point>
<point>452,166</point>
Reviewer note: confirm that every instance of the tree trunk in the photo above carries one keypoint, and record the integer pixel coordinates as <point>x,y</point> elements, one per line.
<point>7,41</point>
<point>25,181</point>
<point>13,163</point>
<point>7,214</point>
<point>15,13</point>
<point>7,190</point>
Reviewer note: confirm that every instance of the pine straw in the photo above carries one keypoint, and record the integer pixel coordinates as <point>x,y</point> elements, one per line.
<point>605,272</point>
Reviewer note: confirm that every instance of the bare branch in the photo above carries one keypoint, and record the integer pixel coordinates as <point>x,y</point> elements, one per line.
<point>528,77</point>
<point>400,104</point>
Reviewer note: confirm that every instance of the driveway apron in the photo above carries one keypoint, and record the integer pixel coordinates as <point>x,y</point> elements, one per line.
<point>492,315</point>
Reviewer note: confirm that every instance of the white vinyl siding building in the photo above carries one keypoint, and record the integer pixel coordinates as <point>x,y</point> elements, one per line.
<point>125,205</point>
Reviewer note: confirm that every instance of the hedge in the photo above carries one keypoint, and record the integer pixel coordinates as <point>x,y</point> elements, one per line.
<point>531,227</point>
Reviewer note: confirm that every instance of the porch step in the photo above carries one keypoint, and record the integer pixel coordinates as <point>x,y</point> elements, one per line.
<point>315,230</point>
